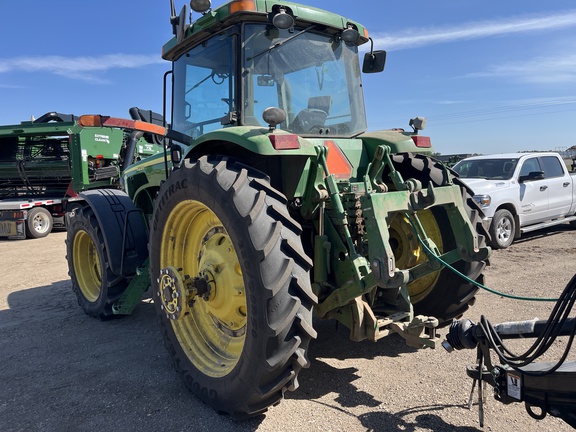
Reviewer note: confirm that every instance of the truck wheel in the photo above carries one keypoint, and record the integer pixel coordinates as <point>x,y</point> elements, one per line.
<point>443,294</point>
<point>231,285</point>
<point>39,223</point>
<point>95,286</point>
<point>502,229</point>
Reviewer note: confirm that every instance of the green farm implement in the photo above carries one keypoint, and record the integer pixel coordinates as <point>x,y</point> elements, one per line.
<point>271,204</point>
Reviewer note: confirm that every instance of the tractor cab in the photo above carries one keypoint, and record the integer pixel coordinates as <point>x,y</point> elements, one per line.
<point>269,57</point>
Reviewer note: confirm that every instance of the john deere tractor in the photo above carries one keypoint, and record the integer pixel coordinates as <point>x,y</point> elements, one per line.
<point>272,205</point>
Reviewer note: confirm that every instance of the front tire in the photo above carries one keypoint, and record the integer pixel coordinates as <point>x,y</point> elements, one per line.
<point>502,229</point>
<point>39,223</point>
<point>231,285</point>
<point>94,284</point>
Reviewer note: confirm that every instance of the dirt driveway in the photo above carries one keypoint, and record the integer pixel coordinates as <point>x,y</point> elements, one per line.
<point>61,370</point>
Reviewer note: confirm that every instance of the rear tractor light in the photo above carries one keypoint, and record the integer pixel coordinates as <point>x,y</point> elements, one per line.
<point>421,141</point>
<point>285,141</point>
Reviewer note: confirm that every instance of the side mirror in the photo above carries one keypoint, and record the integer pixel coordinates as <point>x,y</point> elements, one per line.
<point>374,62</point>
<point>532,175</point>
<point>181,25</point>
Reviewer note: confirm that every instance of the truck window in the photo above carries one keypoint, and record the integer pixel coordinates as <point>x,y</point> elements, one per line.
<point>490,169</point>
<point>530,165</point>
<point>551,166</point>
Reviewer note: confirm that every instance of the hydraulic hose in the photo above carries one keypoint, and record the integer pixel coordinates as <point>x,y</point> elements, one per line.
<point>431,253</point>
<point>132,140</point>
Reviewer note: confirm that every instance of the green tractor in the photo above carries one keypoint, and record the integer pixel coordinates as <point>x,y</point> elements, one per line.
<point>272,205</point>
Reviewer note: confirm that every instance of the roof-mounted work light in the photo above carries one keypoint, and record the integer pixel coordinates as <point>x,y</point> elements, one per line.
<point>350,35</point>
<point>200,6</point>
<point>283,20</point>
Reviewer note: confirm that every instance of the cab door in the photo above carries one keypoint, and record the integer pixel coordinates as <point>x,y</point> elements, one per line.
<point>559,186</point>
<point>534,193</point>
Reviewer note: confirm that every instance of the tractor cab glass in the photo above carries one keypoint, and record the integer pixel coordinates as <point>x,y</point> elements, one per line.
<point>204,87</point>
<point>313,77</point>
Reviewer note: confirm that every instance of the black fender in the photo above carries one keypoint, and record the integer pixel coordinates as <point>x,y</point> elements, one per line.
<point>126,252</point>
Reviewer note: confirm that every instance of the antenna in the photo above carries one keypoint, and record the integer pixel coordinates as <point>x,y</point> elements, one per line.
<point>173,18</point>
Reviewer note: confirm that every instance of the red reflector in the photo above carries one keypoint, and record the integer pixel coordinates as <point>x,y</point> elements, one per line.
<point>284,142</point>
<point>421,141</point>
<point>70,191</point>
<point>338,164</point>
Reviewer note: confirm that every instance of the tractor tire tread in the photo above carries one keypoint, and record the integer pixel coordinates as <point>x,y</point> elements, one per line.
<point>286,297</point>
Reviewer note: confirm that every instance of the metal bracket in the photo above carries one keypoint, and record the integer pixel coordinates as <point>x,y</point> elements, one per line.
<point>418,333</point>
<point>133,293</point>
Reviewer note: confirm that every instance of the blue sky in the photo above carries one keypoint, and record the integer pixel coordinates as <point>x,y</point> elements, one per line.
<point>490,76</point>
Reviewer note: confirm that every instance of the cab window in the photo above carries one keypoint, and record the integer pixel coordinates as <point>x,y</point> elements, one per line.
<point>551,167</point>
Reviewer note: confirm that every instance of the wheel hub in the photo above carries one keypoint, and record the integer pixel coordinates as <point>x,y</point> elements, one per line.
<point>173,293</point>
<point>177,293</point>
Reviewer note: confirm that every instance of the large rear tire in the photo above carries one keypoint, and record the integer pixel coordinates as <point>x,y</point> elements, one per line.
<point>94,284</point>
<point>231,285</point>
<point>443,294</point>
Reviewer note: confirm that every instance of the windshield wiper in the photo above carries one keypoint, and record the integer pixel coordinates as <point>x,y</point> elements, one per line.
<point>282,42</point>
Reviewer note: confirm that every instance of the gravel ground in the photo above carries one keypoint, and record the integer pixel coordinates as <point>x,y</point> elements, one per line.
<point>64,371</point>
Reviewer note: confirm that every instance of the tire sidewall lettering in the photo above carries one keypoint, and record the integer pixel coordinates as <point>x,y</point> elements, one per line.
<point>178,185</point>
<point>210,183</point>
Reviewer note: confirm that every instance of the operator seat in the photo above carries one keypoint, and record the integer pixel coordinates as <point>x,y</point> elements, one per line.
<point>314,116</point>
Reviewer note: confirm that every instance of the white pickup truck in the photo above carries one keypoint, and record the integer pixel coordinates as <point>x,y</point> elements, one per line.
<point>520,192</point>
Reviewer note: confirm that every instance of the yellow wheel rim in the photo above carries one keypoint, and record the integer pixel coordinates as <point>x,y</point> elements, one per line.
<point>209,326</point>
<point>408,252</point>
<point>87,266</point>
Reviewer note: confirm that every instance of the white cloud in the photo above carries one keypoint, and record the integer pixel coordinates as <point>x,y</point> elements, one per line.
<point>541,70</point>
<point>84,68</point>
<point>413,38</point>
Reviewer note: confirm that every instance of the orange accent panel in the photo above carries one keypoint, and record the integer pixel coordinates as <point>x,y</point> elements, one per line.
<point>338,164</point>
<point>150,127</point>
<point>105,121</point>
<point>90,121</point>
<point>242,5</point>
